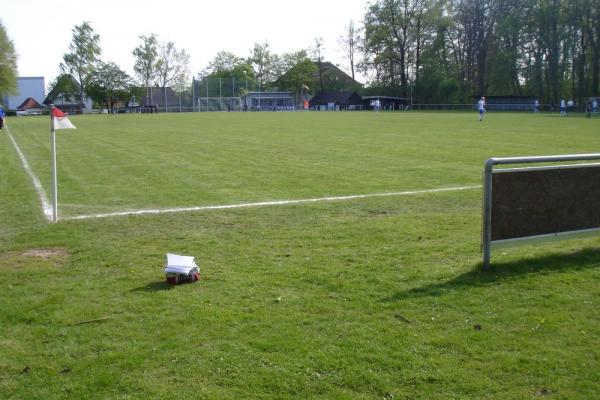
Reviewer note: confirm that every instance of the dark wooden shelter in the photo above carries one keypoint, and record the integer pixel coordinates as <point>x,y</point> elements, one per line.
<point>336,101</point>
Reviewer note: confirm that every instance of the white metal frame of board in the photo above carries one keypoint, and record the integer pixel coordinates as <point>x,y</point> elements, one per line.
<point>487,242</point>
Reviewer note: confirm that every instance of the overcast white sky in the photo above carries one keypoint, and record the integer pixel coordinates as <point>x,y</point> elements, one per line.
<point>41,29</point>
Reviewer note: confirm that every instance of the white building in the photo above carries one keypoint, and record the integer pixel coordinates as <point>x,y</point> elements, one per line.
<point>33,87</point>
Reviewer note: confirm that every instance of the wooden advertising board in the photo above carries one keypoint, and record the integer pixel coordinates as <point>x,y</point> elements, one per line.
<point>541,201</point>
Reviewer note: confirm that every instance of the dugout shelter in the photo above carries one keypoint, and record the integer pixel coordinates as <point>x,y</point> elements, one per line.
<point>507,103</point>
<point>386,102</point>
<point>269,101</point>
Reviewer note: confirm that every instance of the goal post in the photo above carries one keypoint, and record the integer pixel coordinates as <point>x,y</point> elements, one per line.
<point>539,203</point>
<point>219,104</point>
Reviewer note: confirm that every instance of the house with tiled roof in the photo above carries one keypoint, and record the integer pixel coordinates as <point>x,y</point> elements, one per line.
<point>29,86</point>
<point>65,96</point>
<point>30,106</point>
<point>336,101</point>
<point>303,79</point>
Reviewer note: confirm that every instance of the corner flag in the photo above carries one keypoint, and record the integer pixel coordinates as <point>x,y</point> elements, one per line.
<point>60,120</point>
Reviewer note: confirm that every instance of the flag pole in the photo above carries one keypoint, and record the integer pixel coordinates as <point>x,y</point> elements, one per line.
<point>54,173</point>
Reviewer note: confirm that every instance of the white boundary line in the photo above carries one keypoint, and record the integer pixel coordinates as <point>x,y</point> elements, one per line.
<point>46,206</point>
<point>266,203</point>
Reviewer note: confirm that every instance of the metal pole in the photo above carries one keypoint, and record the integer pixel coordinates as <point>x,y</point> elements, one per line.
<point>193,94</point>
<point>206,94</point>
<point>487,213</point>
<point>54,172</point>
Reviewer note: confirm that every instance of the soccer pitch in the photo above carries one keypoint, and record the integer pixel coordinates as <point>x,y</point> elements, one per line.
<point>145,162</point>
<point>373,290</point>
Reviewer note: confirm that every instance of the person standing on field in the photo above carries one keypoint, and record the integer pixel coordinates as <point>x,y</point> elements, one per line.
<point>588,109</point>
<point>481,106</point>
<point>2,115</point>
<point>563,108</point>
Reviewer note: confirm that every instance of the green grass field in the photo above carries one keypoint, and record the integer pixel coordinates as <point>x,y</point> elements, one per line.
<point>370,298</point>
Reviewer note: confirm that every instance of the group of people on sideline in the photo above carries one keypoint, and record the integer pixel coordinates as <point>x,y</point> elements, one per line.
<point>590,107</point>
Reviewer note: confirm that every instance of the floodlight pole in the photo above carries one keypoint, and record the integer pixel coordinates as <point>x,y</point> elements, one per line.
<point>166,105</point>
<point>193,94</point>
<point>54,172</point>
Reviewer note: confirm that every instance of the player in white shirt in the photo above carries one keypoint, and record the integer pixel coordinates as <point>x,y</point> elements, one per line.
<point>481,106</point>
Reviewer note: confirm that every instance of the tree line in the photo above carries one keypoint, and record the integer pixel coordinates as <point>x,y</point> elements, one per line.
<point>156,63</point>
<point>432,51</point>
<point>447,51</point>
<point>162,64</point>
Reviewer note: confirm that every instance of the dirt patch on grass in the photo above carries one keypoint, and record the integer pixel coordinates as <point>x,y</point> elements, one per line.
<point>45,253</point>
<point>33,258</point>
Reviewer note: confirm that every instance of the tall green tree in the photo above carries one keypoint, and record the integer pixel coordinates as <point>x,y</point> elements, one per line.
<point>506,57</point>
<point>226,73</point>
<point>226,64</point>
<point>300,76</point>
<point>395,35</point>
<point>318,50</point>
<point>81,60</point>
<point>286,61</point>
<point>261,60</point>
<point>350,42</point>
<point>8,63</point>
<point>172,66</point>
<point>64,88</point>
<point>593,31</point>
<point>455,49</point>
<point>146,61</point>
<point>110,85</point>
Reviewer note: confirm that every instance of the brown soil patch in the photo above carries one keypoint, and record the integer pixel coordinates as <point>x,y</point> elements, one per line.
<point>45,253</point>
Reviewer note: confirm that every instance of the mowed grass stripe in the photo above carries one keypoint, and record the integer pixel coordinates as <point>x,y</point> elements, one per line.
<point>183,160</point>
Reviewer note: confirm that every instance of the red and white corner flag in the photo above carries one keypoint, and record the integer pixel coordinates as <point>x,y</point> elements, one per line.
<point>60,120</point>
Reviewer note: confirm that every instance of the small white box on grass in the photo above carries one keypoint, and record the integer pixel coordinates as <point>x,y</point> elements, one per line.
<point>180,269</point>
